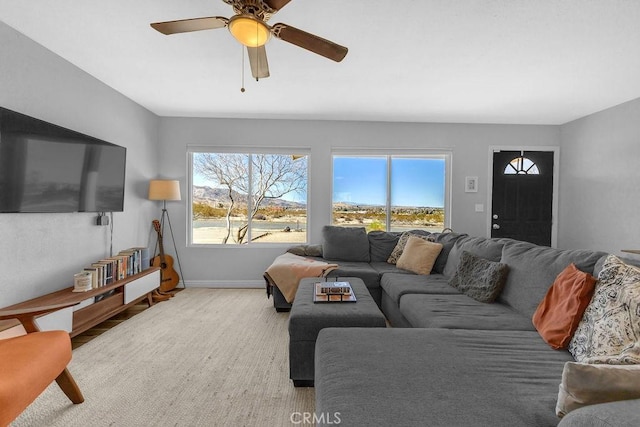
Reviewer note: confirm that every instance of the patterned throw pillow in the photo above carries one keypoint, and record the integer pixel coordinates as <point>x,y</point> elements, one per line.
<point>402,241</point>
<point>610,327</point>
<point>479,278</point>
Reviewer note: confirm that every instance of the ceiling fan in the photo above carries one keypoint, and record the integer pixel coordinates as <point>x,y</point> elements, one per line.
<point>249,26</point>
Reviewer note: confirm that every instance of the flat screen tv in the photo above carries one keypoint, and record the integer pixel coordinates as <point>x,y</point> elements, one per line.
<point>47,168</point>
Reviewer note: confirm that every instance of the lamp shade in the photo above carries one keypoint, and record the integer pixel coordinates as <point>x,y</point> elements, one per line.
<point>163,189</point>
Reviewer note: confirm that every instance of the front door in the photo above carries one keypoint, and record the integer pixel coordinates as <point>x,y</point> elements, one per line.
<point>522,199</point>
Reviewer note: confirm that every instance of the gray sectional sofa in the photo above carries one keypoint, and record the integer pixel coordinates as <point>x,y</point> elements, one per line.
<point>448,360</point>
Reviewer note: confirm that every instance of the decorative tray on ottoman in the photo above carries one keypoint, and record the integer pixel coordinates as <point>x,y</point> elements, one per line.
<point>333,292</point>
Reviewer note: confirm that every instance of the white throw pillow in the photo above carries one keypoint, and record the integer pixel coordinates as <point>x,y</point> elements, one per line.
<point>587,384</point>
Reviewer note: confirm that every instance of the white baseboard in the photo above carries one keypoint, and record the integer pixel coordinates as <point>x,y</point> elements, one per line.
<point>234,284</point>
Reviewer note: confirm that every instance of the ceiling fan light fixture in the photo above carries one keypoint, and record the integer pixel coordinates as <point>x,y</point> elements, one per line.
<point>249,31</point>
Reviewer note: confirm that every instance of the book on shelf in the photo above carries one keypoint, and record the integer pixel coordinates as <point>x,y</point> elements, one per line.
<point>102,273</point>
<point>111,269</point>
<point>94,276</point>
<point>134,259</point>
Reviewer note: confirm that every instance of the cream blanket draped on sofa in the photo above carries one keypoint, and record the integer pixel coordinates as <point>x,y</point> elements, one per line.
<point>287,269</point>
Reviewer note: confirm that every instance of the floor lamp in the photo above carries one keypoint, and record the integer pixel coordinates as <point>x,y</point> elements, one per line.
<point>166,190</point>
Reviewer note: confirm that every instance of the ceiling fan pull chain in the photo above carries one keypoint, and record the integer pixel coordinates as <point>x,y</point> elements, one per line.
<point>242,71</point>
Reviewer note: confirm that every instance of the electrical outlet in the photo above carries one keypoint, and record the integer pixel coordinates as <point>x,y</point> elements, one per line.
<point>479,207</point>
<point>102,220</point>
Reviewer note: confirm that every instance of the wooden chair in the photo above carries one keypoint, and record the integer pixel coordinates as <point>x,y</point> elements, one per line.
<point>29,363</point>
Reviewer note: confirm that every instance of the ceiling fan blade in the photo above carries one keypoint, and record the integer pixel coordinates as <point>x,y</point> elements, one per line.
<point>277,4</point>
<point>187,25</point>
<point>258,61</point>
<point>309,41</point>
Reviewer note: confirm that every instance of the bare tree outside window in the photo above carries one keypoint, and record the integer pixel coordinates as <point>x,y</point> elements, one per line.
<point>254,194</point>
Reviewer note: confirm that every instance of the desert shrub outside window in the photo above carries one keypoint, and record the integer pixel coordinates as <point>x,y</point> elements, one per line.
<point>391,192</point>
<point>248,198</point>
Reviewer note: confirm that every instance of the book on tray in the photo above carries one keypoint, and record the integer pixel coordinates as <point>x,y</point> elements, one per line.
<point>333,292</point>
<point>335,288</point>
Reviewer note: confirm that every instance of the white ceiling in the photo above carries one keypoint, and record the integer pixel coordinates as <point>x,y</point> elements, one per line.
<point>472,61</point>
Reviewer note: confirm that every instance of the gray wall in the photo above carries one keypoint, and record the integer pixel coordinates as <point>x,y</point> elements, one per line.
<point>599,190</point>
<point>241,265</point>
<point>40,252</point>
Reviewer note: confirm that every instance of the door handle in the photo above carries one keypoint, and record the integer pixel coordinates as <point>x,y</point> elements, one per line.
<point>495,227</point>
<point>495,216</point>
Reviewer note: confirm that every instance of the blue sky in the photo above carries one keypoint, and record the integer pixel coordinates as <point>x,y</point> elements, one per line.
<point>414,181</point>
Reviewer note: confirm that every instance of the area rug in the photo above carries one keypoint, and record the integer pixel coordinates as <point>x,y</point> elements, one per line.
<point>207,357</point>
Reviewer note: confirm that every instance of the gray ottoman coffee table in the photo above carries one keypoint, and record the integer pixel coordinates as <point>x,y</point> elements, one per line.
<point>308,318</point>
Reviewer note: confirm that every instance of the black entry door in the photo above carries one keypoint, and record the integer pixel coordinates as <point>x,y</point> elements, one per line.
<point>522,200</point>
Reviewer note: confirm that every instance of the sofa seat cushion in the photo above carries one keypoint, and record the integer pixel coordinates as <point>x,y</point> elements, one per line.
<point>384,267</point>
<point>363,270</point>
<point>533,269</point>
<point>398,284</point>
<point>460,312</point>
<point>436,377</point>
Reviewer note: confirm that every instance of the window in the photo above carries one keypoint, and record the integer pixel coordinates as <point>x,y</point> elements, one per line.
<point>248,198</point>
<point>391,192</point>
<point>521,166</point>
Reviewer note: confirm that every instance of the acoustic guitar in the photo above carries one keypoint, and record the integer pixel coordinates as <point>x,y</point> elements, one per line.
<point>168,277</point>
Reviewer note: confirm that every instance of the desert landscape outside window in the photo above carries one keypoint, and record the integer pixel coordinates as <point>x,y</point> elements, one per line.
<point>248,198</point>
<point>390,192</point>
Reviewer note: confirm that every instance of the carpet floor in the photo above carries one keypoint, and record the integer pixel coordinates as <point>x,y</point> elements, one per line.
<point>207,357</point>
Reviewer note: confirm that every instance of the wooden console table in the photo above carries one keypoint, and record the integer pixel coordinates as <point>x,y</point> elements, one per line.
<point>118,296</point>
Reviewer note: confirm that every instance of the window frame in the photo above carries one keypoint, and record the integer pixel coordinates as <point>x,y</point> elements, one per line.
<point>445,154</point>
<point>248,150</point>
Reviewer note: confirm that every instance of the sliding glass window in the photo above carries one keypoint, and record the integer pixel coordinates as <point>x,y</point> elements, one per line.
<point>248,198</point>
<point>391,192</point>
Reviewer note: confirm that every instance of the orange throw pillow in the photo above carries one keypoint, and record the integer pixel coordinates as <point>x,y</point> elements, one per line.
<point>560,311</point>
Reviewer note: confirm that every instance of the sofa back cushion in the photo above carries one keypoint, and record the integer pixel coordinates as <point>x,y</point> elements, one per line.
<point>381,244</point>
<point>447,240</point>
<point>489,249</point>
<point>345,243</point>
<point>533,269</point>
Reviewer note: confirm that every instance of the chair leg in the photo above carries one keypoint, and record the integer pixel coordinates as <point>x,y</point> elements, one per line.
<point>69,387</point>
